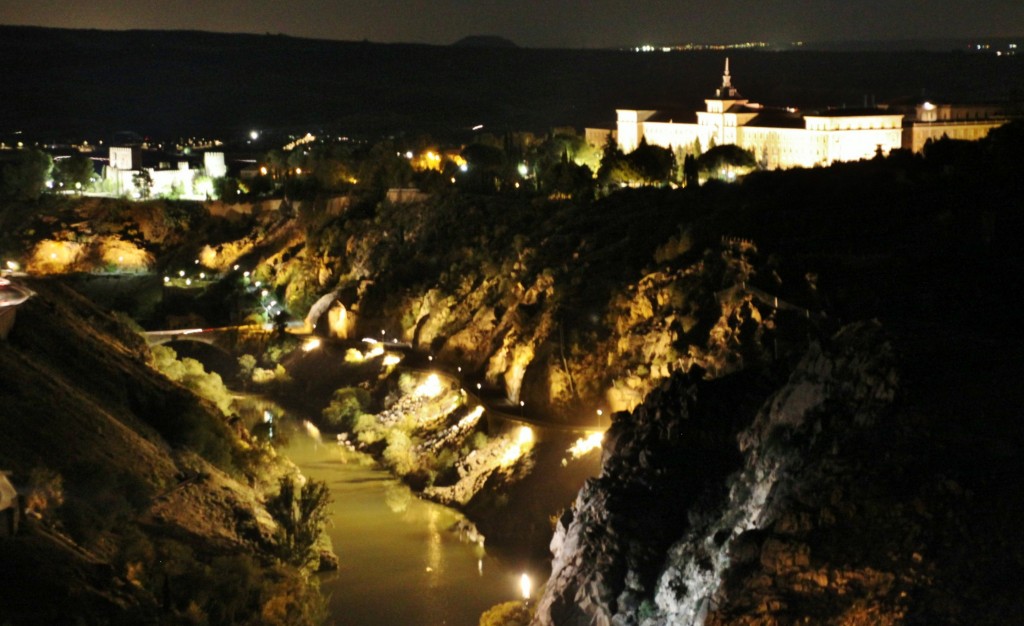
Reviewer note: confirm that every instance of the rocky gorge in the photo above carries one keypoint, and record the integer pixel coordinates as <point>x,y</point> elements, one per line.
<point>812,374</point>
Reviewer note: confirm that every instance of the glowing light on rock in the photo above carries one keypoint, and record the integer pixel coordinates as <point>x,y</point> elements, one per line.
<point>517,448</point>
<point>375,352</point>
<point>354,356</point>
<point>584,445</point>
<point>311,344</point>
<point>525,435</point>
<point>525,586</point>
<point>391,359</point>
<point>430,388</point>
<point>471,418</point>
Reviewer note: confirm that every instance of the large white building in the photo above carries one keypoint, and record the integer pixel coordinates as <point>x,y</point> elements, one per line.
<point>785,137</point>
<point>178,178</point>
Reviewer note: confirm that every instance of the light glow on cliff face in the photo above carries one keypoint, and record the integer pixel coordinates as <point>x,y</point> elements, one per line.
<point>584,445</point>
<point>517,448</point>
<point>430,388</point>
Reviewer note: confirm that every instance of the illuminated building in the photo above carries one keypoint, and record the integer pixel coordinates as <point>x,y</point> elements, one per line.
<point>126,162</point>
<point>785,137</point>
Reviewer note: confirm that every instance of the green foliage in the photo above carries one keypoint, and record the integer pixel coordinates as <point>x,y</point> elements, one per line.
<point>346,406</point>
<point>143,181</point>
<point>191,374</point>
<point>646,165</point>
<point>246,364</point>
<point>718,161</point>
<point>74,170</point>
<point>400,455</point>
<point>383,169</point>
<point>193,588</point>
<point>507,614</point>
<point>24,175</point>
<point>647,609</point>
<point>187,424</point>
<point>300,514</point>
<point>653,164</point>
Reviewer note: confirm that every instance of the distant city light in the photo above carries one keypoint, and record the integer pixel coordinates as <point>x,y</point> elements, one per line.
<point>254,135</point>
<point>478,127</point>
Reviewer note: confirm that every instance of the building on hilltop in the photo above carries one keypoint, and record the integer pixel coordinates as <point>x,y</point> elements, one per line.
<point>175,175</point>
<point>783,137</point>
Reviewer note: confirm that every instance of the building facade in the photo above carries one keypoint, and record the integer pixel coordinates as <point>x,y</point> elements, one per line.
<point>784,137</point>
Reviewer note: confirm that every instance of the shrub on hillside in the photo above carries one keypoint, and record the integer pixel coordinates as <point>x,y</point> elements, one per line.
<point>347,404</point>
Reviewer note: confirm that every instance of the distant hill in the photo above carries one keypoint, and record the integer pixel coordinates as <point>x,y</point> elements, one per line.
<point>74,83</point>
<point>484,41</point>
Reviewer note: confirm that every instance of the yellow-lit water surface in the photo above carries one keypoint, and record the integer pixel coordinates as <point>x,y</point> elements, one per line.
<point>401,564</point>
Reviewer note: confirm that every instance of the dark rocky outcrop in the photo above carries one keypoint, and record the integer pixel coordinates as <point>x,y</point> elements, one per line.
<point>829,505</point>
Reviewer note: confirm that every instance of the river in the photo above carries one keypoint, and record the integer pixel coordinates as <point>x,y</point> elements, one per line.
<point>401,564</point>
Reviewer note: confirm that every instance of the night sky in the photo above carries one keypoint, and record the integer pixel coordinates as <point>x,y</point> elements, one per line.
<point>542,23</point>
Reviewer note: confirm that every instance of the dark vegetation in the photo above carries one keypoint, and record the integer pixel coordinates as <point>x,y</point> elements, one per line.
<point>76,82</point>
<point>126,480</point>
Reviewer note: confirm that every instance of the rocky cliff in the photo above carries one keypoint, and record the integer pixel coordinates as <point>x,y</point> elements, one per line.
<point>809,498</point>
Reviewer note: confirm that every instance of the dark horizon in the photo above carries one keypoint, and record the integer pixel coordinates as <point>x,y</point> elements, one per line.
<point>87,83</point>
<point>601,24</point>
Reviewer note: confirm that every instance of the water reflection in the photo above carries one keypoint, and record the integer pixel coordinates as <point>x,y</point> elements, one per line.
<point>403,560</point>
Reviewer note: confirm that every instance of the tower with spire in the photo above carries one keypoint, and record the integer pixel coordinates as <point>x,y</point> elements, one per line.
<point>727,91</point>
<point>725,96</point>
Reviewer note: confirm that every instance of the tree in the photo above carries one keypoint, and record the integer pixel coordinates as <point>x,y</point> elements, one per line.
<point>143,183</point>
<point>24,176</point>
<point>614,169</point>
<point>486,166</point>
<point>300,514</point>
<point>726,162</point>
<point>654,164</point>
<point>75,172</point>
<point>568,178</point>
<point>691,173</point>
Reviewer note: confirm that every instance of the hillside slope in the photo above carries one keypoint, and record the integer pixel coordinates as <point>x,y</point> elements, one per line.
<point>142,502</point>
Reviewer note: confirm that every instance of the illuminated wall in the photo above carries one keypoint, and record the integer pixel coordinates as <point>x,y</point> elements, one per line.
<point>821,139</point>
<point>214,165</point>
<point>918,134</point>
<point>630,127</point>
